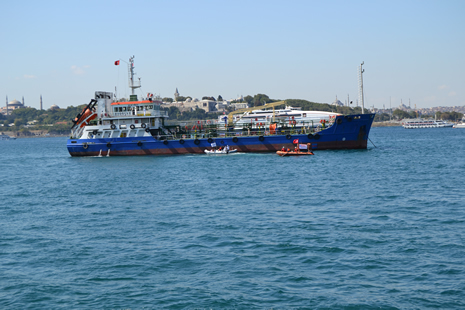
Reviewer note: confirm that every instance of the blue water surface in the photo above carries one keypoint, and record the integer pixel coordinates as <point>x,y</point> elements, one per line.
<point>381,228</point>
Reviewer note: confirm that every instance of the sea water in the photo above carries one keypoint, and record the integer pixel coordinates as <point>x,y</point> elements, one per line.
<point>381,228</point>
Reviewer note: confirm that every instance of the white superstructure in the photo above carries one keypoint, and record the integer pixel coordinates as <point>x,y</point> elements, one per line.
<point>289,115</point>
<point>460,124</point>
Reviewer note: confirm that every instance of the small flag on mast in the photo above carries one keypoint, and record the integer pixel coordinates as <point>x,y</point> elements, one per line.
<point>117,63</point>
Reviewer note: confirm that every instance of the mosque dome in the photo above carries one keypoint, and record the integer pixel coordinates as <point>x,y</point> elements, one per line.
<point>54,107</point>
<point>15,103</point>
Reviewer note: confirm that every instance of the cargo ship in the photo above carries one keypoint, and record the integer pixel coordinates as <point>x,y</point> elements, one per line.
<point>107,127</point>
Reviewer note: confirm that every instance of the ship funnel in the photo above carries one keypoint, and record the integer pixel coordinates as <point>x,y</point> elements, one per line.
<point>104,100</point>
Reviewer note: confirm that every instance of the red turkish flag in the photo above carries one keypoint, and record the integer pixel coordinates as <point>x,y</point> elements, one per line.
<point>117,63</point>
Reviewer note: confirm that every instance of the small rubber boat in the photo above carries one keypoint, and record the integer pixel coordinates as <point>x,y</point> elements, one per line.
<point>220,151</point>
<point>293,153</point>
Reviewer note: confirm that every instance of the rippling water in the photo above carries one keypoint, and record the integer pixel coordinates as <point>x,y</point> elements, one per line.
<point>357,229</point>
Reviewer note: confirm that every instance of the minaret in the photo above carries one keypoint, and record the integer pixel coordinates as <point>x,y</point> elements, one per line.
<point>7,105</point>
<point>41,102</point>
<point>176,95</point>
<point>23,101</point>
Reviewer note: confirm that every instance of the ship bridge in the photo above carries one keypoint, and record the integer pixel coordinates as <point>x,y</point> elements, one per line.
<point>137,108</point>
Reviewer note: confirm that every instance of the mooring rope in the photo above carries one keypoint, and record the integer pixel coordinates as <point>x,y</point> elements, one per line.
<point>372,142</point>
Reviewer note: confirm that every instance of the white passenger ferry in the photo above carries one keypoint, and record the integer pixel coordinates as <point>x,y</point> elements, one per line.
<point>425,123</point>
<point>293,116</point>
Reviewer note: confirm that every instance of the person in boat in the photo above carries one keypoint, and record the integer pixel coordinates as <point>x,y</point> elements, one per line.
<point>309,148</point>
<point>227,149</point>
<point>283,149</point>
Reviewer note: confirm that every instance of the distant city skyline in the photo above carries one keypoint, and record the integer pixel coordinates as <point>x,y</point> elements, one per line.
<point>401,106</point>
<point>307,50</point>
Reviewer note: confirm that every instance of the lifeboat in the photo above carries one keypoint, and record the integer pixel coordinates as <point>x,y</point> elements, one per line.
<point>87,114</point>
<point>86,121</point>
<point>84,114</point>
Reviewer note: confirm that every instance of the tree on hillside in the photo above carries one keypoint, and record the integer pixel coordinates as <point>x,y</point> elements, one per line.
<point>58,115</point>
<point>260,99</point>
<point>450,116</point>
<point>248,99</point>
<point>400,114</point>
<point>19,122</point>
<point>310,106</point>
<point>382,117</point>
<point>167,99</point>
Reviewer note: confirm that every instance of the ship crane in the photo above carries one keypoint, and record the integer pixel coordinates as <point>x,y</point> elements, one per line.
<point>268,105</point>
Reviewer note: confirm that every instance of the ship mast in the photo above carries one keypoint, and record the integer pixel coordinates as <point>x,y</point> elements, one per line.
<point>360,81</point>
<point>132,85</point>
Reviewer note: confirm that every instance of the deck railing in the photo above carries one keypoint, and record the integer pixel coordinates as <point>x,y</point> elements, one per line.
<point>231,134</point>
<point>152,113</point>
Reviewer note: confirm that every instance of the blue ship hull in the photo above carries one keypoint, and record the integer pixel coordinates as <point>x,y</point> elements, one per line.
<point>348,132</point>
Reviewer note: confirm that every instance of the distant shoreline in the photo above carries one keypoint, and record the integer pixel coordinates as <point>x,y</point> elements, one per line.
<point>386,124</point>
<point>20,135</point>
<point>35,137</point>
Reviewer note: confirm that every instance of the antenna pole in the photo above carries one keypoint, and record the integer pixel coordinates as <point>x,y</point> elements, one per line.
<point>131,76</point>
<point>360,80</point>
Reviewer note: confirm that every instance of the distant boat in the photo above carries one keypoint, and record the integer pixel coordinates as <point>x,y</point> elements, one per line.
<point>300,149</point>
<point>460,124</point>
<point>425,123</point>
<point>6,137</point>
<point>294,116</point>
<point>223,151</point>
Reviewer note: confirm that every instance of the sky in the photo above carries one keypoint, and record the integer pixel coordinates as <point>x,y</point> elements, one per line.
<point>413,51</point>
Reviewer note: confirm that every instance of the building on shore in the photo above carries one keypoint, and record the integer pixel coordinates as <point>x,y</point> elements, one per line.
<point>337,103</point>
<point>14,104</point>
<point>11,106</point>
<point>208,105</point>
<point>192,104</point>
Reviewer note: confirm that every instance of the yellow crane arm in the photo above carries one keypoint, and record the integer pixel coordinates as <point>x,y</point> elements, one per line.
<point>268,105</point>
